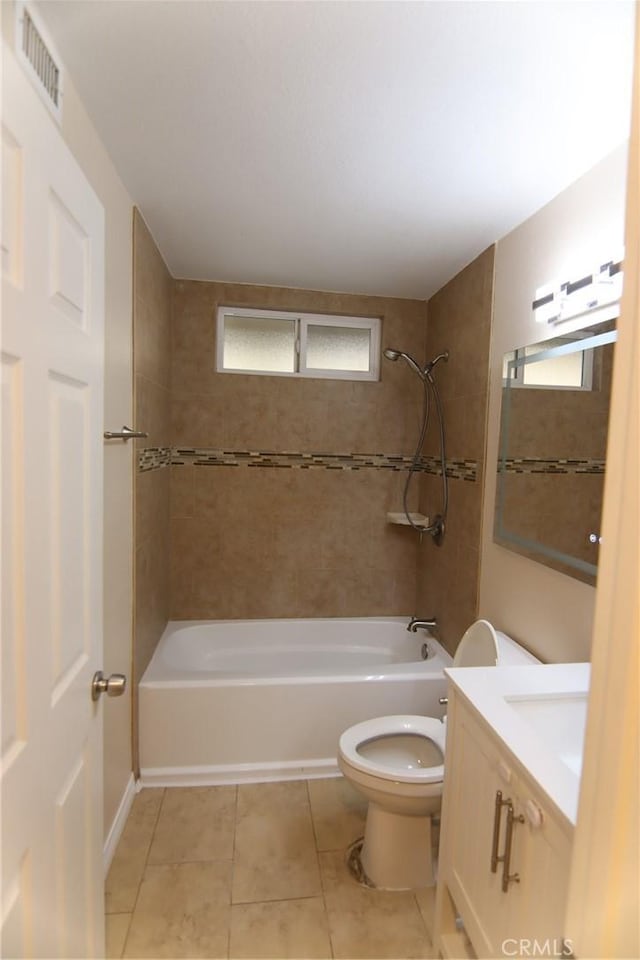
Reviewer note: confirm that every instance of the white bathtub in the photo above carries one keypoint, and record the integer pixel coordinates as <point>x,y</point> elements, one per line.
<point>240,701</point>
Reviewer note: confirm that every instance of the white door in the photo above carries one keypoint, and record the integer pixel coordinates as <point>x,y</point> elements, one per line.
<point>52,402</point>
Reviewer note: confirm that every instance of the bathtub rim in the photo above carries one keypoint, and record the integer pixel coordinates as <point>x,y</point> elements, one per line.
<point>389,673</point>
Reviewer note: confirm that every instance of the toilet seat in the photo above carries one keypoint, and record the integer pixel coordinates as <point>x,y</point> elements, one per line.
<point>387,727</point>
<point>479,646</point>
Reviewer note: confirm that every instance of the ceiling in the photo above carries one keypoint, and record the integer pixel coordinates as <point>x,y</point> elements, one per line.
<point>348,146</point>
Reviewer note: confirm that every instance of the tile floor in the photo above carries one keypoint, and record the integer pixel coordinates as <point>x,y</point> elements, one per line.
<point>256,870</point>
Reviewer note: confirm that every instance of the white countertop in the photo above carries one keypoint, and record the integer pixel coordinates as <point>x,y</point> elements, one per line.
<point>539,712</point>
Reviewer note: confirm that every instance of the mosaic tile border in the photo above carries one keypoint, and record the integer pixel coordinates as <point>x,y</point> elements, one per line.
<point>153,458</point>
<point>549,466</point>
<point>456,469</point>
<point>198,456</point>
<point>302,461</point>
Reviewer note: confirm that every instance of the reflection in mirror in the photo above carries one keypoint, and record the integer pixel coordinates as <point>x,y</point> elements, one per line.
<point>553,440</point>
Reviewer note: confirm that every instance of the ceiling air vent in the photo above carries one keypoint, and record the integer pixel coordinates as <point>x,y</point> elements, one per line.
<point>37,56</point>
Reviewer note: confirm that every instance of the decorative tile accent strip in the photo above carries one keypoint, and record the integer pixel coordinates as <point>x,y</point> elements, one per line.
<point>152,458</point>
<point>206,457</point>
<point>548,465</point>
<point>456,469</point>
<point>300,461</point>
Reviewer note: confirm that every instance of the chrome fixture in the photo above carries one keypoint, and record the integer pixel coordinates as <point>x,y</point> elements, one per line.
<point>399,355</point>
<point>125,434</point>
<point>391,354</point>
<point>415,623</point>
<point>441,356</point>
<point>436,527</point>
<point>113,686</point>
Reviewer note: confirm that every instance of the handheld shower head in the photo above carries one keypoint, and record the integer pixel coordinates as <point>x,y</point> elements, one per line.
<point>392,354</point>
<point>398,354</point>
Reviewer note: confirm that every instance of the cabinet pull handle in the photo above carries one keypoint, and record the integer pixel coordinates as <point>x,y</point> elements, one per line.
<point>499,804</point>
<point>507,877</point>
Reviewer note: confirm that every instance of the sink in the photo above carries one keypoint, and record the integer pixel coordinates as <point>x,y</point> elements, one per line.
<point>559,720</point>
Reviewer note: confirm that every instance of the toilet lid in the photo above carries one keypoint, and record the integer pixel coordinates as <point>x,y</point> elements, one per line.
<point>478,647</point>
<point>409,749</point>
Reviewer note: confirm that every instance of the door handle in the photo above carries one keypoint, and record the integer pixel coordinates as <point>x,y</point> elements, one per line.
<point>125,434</point>
<point>113,686</point>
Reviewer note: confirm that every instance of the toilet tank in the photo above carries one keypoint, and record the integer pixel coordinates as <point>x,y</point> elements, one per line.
<point>511,654</point>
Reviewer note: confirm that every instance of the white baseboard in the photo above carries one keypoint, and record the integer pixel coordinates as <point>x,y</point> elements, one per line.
<point>238,773</point>
<point>116,828</point>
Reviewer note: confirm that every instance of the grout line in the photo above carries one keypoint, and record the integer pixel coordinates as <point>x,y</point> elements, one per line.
<point>233,867</point>
<point>313,821</point>
<point>126,936</point>
<point>421,915</point>
<point>324,901</point>
<point>179,863</point>
<point>313,830</point>
<point>318,851</point>
<point>155,826</point>
<point>135,902</point>
<point>121,913</point>
<point>251,903</point>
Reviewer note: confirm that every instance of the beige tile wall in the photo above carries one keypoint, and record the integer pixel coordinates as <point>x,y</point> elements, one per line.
<point>284,542</point>
<point>152,366</point>
<point>459,321</point>
<point>279,542</point>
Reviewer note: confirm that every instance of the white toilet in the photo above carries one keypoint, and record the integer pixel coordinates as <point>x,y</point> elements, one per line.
<point>398,764</point>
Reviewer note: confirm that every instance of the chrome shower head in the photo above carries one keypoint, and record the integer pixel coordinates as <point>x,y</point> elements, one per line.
<point>441,356</point>
<point>392,354</point>
<point>398,354</point>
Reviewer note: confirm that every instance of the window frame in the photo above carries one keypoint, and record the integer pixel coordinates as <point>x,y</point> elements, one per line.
<point>302,321</point>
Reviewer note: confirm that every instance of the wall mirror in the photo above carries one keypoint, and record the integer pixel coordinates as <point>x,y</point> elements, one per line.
<point>553,441</point>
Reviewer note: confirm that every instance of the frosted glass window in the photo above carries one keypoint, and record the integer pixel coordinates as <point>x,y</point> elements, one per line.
<point>259,343</point>
<point>338,348</point>
<point>565,370</point>
<point>289,344</point>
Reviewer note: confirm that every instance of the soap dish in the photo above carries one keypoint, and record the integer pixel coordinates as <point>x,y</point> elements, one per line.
<point>418,518</point>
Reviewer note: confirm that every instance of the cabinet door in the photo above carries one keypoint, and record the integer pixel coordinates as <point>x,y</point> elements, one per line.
<point>529,914</point>
<point>541,856</point>
<point>478,772</point>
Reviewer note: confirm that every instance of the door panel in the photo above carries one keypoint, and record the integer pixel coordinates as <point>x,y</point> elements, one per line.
<point>52,393</point>
<point>11,208</point>
<point>14,695</point>
<point>68,264</point>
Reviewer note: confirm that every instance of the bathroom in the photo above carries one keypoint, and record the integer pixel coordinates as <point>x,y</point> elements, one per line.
<point>183,541</point>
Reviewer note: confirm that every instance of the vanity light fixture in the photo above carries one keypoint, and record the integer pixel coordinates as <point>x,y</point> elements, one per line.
<point>593,297</point>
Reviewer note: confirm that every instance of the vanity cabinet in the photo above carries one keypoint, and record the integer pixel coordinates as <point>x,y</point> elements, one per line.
<point>504,852</point>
